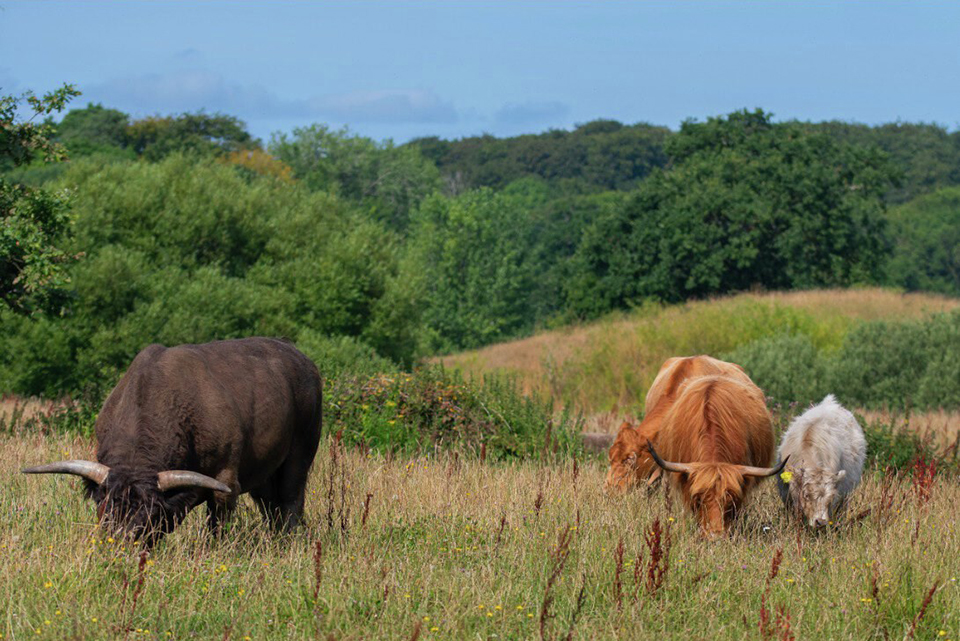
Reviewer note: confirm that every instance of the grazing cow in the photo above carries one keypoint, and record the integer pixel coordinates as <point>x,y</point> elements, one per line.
<point>827,450</point>
<point>199,423</point>
<point>630,463</point>
<point>717,440</point>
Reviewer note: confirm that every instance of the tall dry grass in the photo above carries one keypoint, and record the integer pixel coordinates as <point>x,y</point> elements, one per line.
<point>456,549</point>
<point>941,428</point>
<point>609,365</point>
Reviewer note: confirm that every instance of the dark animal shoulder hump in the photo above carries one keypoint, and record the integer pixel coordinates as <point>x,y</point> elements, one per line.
<point>147,355</point>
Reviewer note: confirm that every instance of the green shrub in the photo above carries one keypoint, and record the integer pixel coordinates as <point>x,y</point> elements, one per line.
<point>434,408</point>
<point>907,364</point>
<point>338,356</point>
<point>940,384</point>
<point>890,445</point>
<point>880,364</point>
<point>787,367</point>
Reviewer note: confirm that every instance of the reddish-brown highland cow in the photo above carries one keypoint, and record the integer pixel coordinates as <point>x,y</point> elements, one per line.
<point>630,463</point>
<point>714,431</point>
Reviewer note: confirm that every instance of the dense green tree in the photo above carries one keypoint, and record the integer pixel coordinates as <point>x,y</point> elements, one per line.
<point>389,181</point>
<point>926,233</point>
<point>745,203</point>
<point>596,156</point>
<point>926,156</point>
<point>348,246</point>
<point>95,130</point>
<point>470,258</point>
<point>558,229</point>
<point>32,259</point>
<point>181,212</point>
<point>191,250</point>
<point>157,137</point>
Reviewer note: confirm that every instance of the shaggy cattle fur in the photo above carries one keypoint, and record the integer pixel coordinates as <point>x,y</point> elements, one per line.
<point>630,462</point>
<point>719,427</point>
<point>245,413</point>
<point>827,451</point>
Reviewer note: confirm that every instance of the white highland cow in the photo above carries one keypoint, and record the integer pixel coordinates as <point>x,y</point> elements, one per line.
<point>827,450</point>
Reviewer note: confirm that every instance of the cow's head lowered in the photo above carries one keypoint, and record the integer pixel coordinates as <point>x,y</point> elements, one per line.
<point>144,504</point>
<point>714,491</point>
<point>630,465</point>
<point>813,493</point>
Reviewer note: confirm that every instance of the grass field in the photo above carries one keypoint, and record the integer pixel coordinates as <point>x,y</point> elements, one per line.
<point>441,548</point>
<point>608,365</point>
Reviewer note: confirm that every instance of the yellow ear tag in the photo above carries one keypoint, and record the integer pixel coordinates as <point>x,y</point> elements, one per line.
<point>786,476</point>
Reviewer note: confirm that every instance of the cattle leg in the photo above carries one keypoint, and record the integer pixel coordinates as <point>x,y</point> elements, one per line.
<point>265,497</point>
<point>291,478</point>
<point>281,498</point>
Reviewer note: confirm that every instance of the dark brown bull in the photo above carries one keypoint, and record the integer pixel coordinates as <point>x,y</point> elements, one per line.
<point>199,423</point>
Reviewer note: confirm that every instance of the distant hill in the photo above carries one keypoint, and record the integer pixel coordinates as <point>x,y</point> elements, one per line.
<point>609,364</point>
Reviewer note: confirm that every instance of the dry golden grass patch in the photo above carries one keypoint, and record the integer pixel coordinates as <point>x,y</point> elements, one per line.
<point>465,550</point>
<point>940,427</point>
<point>872,303</point>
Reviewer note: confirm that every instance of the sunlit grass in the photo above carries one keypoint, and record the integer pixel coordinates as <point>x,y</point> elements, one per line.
<point>433,554</point>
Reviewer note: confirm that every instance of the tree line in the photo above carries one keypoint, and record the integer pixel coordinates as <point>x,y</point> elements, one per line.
<point>185,228</point>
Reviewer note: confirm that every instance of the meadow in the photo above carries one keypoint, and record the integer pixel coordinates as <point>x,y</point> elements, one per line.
<point>447,511</point>
<point>443,545</point>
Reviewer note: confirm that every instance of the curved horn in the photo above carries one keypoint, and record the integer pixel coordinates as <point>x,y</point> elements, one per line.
<point>683,468</point>
<point>96,472</point>
<point>173,479</point>
<point>748,470</point>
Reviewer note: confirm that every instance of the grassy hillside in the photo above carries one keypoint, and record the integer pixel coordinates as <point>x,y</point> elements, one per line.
<point>445,548</point>
<point>610,364</point>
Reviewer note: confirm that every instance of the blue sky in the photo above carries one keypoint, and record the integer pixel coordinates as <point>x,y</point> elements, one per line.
<point>401,70</point>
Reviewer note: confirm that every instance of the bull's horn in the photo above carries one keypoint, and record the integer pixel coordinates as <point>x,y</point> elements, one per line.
<point>748,470</point>
<point>683,468</point>
<point>96,472</point>
<point>173,479</point>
